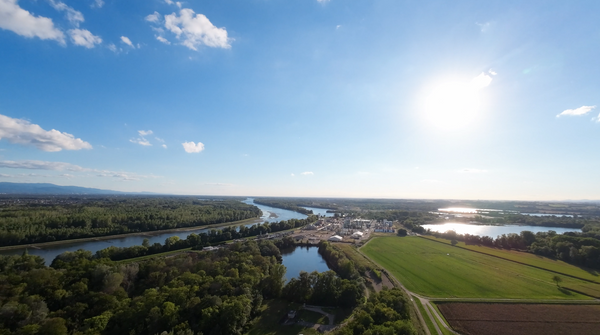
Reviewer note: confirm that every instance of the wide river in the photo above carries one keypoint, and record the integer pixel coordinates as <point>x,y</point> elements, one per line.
<point>49,253</point>
<point>491,231</point>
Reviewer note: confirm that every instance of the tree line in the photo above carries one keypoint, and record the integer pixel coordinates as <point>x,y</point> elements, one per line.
<point>572,247</point>
<point>199,241</point>
<point>44,222</point>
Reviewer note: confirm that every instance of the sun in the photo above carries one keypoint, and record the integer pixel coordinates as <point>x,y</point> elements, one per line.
<point>454,104</point>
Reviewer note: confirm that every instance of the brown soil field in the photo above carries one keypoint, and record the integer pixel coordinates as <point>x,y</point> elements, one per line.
<point>522,319</point>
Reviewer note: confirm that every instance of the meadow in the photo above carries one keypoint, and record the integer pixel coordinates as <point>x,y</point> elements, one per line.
<point>443,271</point>
<point>530,259</point>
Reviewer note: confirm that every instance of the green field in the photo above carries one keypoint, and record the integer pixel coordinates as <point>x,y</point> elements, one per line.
<point>530,259</point>
<point>440,270</point>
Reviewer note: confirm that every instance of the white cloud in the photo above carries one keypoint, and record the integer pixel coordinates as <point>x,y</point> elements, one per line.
<point>22,22</point>
<point>191,147</point>
<point>74,16</point>
<point>484,27</point>
<point>483,79</point>
<point>145,132</point>
<point>323,1</point>
<point>61,166</point>
<point>154,17</point>
<point>42,165</point>
<point>293,175</point>
<point>170,2</point>
<point>98,4</point>
<point>577,111</point>
<point>141,141</point>
<point>159,139</point>
<point>196,30</point>
<point>307,173</point>
<point>162,39</point>
<point>113,48</point>
<point>127,41</point>
<point>164,146</point>
<point>84,38</point>
<point>20,131</point>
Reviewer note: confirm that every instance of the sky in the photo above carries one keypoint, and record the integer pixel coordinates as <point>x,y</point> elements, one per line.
<point>423,99</point>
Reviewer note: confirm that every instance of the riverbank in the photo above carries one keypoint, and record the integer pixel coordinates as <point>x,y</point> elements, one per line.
<point>145,233</point>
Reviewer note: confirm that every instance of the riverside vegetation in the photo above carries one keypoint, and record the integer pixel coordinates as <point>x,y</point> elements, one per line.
<point>200,292</point>
<point>35,220</point>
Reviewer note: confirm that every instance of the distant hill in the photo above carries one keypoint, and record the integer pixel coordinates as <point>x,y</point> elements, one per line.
<point>45,188</point>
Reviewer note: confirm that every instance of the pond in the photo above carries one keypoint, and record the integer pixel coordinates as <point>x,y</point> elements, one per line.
<point>298,259</point>
<point>492,231</point>
<point>50,252</point>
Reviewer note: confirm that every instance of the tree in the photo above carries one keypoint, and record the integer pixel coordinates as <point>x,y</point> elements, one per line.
<point>402,232</point>
<point>557,280</point>
<point>454,242</point>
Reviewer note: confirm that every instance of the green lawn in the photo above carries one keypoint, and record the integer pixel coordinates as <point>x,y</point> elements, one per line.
<point>439,270</point>
<point>531,259</point>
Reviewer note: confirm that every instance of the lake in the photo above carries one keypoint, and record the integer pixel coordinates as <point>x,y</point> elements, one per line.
<point>320,211</point>
<point>50,252</point>
<point>302,259</point>
<point>491,231</point>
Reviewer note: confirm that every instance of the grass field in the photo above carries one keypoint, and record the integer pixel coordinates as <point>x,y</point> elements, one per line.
<point>439,270</point>
<point>530,259</point>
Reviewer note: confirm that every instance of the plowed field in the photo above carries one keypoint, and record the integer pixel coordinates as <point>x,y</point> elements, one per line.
<point>522,319</point>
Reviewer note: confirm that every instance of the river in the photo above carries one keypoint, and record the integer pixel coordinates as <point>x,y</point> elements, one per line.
<point>492,231</point>
<point>320,211</point>
<point>50,252</point>
<point>298,259</point>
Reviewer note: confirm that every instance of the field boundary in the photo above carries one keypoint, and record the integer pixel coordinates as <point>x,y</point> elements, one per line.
<point>510,260</point>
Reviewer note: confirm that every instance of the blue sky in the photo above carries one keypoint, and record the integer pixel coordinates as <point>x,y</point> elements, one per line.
<point>385,99</point>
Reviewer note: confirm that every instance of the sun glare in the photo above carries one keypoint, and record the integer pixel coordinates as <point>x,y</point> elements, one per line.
<point>454,104</point>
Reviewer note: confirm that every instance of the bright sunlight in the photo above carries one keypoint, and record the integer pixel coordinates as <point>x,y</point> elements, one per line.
<point>455,104</point>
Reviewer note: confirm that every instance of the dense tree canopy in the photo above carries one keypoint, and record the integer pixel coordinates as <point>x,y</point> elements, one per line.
<point>33,222</point>
<point>217,292</point>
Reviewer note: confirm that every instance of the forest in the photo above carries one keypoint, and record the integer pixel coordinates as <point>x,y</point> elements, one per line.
<point>194,292</point>
<point>24,222</point>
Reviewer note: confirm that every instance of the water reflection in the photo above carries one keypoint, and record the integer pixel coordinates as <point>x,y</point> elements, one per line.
<point>492,231</point>
<point>302,259</point>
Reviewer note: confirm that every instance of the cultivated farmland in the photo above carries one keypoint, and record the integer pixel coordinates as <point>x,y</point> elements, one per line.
<point>522,319</point>
<point>439,270</point>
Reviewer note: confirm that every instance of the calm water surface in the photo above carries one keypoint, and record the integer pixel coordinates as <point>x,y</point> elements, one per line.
<point>49,253</point>
<point>302,259</point>
<point>320,211</point>
<point>492,231</point>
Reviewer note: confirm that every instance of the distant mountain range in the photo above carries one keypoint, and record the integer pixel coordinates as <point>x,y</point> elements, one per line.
<point>45,188</point>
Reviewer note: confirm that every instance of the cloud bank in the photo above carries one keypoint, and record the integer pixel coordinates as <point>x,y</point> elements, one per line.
<point>23,132</point>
